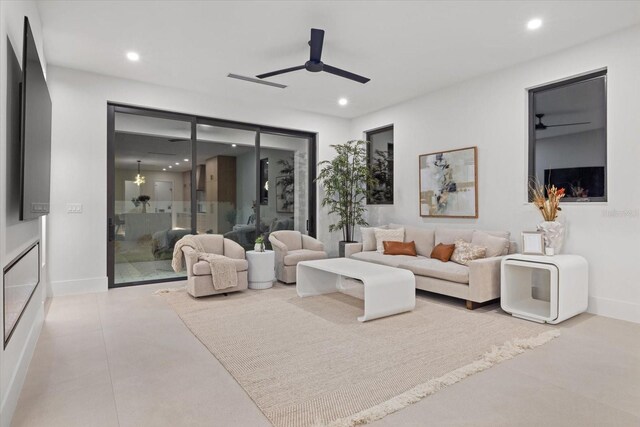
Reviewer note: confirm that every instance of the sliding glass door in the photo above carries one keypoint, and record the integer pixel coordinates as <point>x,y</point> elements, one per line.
<point>173,174</point>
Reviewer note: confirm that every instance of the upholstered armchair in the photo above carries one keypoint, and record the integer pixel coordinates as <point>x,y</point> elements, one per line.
<point>199,282</point>
<point>291,247</point>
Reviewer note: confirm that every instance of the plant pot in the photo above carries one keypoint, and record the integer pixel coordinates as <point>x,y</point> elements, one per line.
<point>553,232</point>
<point>258,247</point>
<point>341,245</point>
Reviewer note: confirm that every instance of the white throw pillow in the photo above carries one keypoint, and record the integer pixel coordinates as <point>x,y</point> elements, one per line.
<point>369,237</point>
<point>393,235</point>
<point>467,252</point>
<point>496,246</point>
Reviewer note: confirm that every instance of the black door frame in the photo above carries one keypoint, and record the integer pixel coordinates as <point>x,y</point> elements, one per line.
<point>194,120</point>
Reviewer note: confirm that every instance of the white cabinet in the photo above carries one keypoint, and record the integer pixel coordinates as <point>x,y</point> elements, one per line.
<point>544,288</point>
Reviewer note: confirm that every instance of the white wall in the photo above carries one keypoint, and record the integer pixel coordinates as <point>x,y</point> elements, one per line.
<point>15,236</point>
<point>79,160</point>
<point>491,112</point>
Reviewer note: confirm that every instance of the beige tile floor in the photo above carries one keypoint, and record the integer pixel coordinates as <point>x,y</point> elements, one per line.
<point>125,358</point>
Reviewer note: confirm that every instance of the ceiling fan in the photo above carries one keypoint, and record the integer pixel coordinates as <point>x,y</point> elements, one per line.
<point>314,64</point>
<point>542,126</point>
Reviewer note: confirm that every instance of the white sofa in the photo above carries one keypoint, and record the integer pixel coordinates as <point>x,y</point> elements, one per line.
<point>477,283</point>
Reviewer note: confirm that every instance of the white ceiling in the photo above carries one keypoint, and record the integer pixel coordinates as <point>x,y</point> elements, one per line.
<point>406,48</point>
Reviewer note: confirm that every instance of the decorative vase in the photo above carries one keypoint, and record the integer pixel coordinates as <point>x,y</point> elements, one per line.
<point>144,208</point>
<point>553,232</point>
<point>258,247</point>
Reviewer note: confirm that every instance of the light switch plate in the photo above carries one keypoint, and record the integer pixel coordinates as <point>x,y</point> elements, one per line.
<point>74,207</point>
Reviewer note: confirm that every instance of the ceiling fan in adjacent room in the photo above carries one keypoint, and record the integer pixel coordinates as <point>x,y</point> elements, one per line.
<point>314,64</point>
<point>542,126</point>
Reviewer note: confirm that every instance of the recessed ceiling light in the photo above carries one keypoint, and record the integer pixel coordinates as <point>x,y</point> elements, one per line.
<point>234,145</point>
<point>164,169</point>
<point>343,101</point>
<point>133,56</point>
<point>170,166</point>
<point>534,24</point>
<point>186,160</point>
<point>177,163</point>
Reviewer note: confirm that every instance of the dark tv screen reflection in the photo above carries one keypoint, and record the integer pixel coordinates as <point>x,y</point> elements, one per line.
<point>590,179</point>
<point>35,133</point>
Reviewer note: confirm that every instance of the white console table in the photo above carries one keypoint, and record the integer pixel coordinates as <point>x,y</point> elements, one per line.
<point>545,289</point>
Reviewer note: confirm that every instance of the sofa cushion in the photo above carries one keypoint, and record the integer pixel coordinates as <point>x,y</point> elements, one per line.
<point>369,237</point>
<point>424,238</point>
<point>294,257</point>
<point>467,252</point>
<point>291,239</point>
<point>400,248</point>
<point>442,252</point>
<point>496,246</point>
<point>202,268</point>
<point>448,236</point>
<point>395,235</point>
<point>437,269</point>
<point>378,258</point>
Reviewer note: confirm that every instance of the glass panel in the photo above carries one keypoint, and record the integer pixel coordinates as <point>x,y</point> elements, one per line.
<point>226,183</point>
<point>380,154</point>
<point>568,144</point>
<point>288,183</point>
<point>152,195</point>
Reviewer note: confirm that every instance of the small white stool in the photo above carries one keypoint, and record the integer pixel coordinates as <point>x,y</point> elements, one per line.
<point>261,269</point>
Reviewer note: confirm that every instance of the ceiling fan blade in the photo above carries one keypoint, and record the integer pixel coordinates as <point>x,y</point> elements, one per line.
<point>567,124</point>
<point>275,73</point>
<point>316,42</point>
<point>345,74</point>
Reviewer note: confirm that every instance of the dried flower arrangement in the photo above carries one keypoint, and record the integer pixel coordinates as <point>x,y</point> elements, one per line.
<point>546,199</point>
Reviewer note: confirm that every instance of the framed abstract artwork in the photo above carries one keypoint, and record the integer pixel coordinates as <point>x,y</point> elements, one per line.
<point>449,183</point>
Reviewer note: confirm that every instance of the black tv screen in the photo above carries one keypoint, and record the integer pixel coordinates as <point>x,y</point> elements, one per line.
<point>587,182</point>
<point>35,135</point>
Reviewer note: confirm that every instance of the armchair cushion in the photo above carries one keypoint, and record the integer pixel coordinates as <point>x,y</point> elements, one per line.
<point>233,250</point>
<point>291,239</point>
<point>202,268</point>
<point>211,243</point>
<point>310,243</point>
<point>294,257</point>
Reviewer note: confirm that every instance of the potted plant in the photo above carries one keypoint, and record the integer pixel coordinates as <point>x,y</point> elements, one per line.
<point>259,246</point>
<point>345,180</point>
<point>144,200</point>
<point>547,199</point>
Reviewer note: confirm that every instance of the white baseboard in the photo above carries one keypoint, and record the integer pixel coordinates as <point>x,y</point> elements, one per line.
<point>79,286</point>
<point>614,308</point>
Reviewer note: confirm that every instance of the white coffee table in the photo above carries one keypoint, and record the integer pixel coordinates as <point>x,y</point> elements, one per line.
<point>261,269</point>
<point>387,290</point>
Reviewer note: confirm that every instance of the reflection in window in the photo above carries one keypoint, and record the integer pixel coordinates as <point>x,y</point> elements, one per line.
<point>380,156</point>
<point>568,137</point>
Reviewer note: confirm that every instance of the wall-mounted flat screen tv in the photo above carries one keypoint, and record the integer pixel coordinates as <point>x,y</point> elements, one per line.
<point>35,133</point>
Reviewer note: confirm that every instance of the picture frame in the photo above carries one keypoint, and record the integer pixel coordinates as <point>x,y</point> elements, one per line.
<point>448,183</point>
<point>284,194</point>
<point>532,243</point>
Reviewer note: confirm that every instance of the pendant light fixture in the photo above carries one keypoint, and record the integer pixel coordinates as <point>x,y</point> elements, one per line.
<point>139,178</point>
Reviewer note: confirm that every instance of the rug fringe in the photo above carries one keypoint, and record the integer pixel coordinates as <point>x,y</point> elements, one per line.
<point>168,290</point>
<point>496,355</point>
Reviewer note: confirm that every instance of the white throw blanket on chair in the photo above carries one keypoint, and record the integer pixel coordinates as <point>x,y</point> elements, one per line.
<point>223,269</point>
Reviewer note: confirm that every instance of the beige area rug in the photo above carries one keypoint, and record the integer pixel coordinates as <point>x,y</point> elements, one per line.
<point>309,362</point>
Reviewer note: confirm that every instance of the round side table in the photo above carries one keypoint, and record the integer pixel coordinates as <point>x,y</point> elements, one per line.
<point>261,269</point>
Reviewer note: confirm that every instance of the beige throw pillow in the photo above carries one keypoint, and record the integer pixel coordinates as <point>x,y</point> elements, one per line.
<point>369,238</point>
<point>466,252</point>
<point>394,235</point>
<point>496,246</point>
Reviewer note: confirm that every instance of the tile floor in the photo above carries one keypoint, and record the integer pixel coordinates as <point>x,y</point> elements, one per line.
<point>125,358</point>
